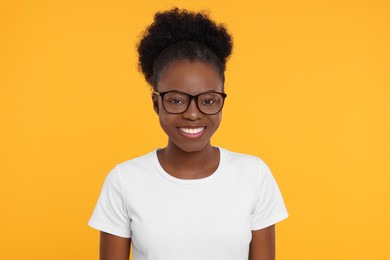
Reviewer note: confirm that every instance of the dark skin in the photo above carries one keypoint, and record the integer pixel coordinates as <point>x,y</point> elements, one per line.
<point>262,246</point>
<point>113,247</point>
<point>187,157</point>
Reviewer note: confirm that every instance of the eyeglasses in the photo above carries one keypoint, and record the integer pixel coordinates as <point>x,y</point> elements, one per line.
<point>176,102</point>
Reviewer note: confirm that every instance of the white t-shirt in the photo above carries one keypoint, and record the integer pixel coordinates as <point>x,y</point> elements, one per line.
<point>174,219</point>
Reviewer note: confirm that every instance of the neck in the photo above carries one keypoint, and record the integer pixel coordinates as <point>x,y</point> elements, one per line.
<point>189,165</point>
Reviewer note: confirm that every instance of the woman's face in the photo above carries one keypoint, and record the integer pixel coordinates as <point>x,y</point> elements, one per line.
<point>190,131</point>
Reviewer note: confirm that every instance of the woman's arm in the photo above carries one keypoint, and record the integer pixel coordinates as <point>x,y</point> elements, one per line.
<point>114,247</point>
<point>262,246</point>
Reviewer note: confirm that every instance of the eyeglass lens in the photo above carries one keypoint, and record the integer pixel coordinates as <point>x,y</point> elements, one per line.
<point>208,103</point>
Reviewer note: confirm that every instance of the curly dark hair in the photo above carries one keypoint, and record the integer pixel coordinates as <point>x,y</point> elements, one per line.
<point>182,35</point>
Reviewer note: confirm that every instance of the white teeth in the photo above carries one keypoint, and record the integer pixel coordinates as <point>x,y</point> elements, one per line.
<point>192,130</point>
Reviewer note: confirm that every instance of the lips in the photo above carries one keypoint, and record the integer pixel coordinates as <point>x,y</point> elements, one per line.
<point>192,131</point>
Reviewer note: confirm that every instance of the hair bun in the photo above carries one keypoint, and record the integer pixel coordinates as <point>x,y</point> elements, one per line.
<point>177,25</point>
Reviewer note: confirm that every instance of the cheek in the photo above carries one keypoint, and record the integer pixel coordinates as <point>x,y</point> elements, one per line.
<point>216,121</point>
<point>166,122</point>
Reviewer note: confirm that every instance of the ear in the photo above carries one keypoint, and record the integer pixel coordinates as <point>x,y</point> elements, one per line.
<point>155,103</point>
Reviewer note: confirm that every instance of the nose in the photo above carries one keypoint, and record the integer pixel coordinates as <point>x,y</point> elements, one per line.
<point>192,111</point>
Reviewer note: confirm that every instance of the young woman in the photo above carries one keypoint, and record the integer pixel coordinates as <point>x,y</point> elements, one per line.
<point>189,200</point>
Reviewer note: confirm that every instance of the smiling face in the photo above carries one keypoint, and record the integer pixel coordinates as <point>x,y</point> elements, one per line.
<point>190,131</point>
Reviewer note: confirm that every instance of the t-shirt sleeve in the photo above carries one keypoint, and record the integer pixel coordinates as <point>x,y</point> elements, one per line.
<point>270,207</point>
<point>110,214</point>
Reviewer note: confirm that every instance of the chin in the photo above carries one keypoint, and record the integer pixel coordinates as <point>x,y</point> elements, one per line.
<point>191,148</point>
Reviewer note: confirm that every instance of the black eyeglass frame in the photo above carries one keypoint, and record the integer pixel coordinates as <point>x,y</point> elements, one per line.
<point>191,97</point>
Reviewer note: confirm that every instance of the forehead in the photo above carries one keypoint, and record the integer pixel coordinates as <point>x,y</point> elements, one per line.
<point>190,77</point>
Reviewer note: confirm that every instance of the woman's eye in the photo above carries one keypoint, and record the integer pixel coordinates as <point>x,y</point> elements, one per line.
<point>175,101</point>
<point>208,102</point>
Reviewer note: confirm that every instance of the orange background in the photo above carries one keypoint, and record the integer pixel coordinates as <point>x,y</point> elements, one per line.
<point>308,87</point>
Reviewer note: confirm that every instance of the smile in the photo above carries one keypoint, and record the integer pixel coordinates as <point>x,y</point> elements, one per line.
<point>192,131</point>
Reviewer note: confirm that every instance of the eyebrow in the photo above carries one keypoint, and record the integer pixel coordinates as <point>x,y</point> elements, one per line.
<point>180,91</point>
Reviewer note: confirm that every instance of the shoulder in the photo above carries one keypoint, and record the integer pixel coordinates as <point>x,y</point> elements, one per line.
<point>242,158</point>
<point>245,166</point>
<point>136,167</point>
<point>133,174</point>
<point>138,162</point>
